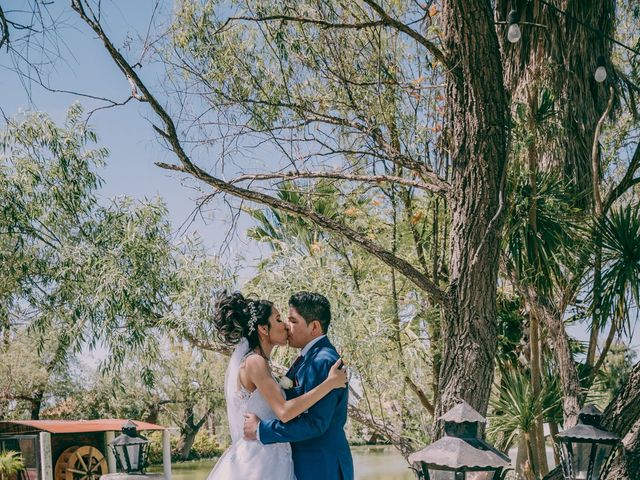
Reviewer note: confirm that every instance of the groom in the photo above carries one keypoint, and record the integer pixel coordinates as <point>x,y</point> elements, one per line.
<point>318,442</point>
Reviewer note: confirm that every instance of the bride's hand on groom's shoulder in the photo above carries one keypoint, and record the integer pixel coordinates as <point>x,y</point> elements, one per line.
<point>251,422</point>
<point>338,374</point>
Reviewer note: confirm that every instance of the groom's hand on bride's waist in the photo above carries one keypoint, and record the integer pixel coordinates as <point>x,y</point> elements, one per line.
<point>251,422</point>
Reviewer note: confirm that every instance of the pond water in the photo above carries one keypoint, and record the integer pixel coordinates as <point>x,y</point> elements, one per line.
<point>370,463</point>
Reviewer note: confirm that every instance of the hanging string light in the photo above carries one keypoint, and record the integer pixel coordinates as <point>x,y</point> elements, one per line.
<point>601,69</point>
<point>513,33</point>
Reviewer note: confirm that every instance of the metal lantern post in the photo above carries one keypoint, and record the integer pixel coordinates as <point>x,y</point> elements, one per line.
<point>460,454</point>
<point>131,450</point>
<point>586,447</point>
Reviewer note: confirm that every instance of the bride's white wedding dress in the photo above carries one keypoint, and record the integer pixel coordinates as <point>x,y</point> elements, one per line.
<point>249,459</point>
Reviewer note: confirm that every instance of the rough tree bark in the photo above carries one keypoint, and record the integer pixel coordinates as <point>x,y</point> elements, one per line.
<point>479,131</point>
<point>622,416</point>
<point>564,53</point>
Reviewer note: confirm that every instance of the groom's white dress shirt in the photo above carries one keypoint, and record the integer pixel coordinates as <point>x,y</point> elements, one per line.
<point>303,352</point>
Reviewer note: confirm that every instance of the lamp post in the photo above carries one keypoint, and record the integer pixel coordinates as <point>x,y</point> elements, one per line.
<point>131,450</point>
<point>586,447</point>
<point>460,454</point>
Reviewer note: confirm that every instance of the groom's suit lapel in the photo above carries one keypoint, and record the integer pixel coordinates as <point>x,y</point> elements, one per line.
<point>309,357</point>
<point>293,370</point>
<point>292,373</point>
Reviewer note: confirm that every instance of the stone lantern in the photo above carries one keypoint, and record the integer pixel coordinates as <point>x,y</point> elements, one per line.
<point>460,454</point>
<point>586,447</point>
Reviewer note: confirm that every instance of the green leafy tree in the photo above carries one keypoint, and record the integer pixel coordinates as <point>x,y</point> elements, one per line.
<point>90,273</point>
<point>187,392</point>
<point>33,378</point>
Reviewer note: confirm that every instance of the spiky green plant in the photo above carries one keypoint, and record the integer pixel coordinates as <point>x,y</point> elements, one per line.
<point>619,237</point>
<point>514,407</point>
<point>541,258</point>
<point>10,463</point>
<point>275,227</point>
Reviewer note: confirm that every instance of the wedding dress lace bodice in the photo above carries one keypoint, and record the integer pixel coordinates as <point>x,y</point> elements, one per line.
<point>254,402</point>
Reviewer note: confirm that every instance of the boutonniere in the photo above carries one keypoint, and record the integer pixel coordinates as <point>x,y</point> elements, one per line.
<point>285,382</point>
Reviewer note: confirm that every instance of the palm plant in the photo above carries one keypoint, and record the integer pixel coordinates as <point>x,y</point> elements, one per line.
<point>514,407</point>
<point>619,234</point>
<point>617,287</point>
<point>11,463</point>
<point>275,227</point>
<point>538,257</point>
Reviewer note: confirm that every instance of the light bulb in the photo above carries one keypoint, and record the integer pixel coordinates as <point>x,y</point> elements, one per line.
<point>601,70</point>
<point>514,34</point>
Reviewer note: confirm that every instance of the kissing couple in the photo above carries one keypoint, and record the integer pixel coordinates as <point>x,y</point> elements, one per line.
<point>292,429</point>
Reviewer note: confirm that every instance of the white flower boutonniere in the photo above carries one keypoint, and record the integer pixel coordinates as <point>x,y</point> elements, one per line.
<point>285,382</point>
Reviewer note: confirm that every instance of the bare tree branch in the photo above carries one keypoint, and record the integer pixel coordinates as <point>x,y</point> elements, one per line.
<point>404,28</point>
<point>309,116</point>
<point>4,28</point>
<point>313,21</point>
<point>345,176</point>
<point>424,401</point>
<point>595,164</point>
<point>401,265</point>
<point>402,443</point>
<point>626,182</point>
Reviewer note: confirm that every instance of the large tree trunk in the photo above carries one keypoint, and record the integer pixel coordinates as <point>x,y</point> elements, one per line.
<point>563,54</point>
<point>622,416</point>
<point>36,405</point>
<point>626,466</point>
<point>479,130</point>
<point>188,431</point>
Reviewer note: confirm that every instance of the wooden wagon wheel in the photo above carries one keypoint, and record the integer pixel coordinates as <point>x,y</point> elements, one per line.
<point>81,463</point>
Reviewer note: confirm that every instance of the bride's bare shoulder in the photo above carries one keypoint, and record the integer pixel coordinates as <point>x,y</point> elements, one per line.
<point>255,362</point>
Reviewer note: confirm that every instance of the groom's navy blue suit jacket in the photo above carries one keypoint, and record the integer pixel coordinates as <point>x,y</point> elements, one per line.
<point>318,442</point>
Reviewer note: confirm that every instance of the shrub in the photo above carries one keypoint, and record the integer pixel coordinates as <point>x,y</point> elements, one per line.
<point>204,446</point>
<point>10,464</point>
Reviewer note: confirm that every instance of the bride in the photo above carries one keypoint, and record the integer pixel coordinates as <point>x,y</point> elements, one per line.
<point>255,327</point>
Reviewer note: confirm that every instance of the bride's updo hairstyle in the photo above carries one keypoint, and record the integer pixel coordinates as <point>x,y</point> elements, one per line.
<point>237,317</point>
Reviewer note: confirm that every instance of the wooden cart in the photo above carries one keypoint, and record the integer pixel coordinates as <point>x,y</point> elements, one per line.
<point>71,449</point>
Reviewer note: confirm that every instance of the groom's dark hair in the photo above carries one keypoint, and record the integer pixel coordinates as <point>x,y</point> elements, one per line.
<point>312,306</point>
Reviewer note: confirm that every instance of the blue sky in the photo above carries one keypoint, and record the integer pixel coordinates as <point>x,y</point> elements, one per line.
<point>126,130</point>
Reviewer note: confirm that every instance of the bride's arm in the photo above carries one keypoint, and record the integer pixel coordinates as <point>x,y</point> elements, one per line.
<point>258,372</point>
